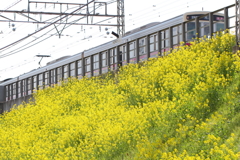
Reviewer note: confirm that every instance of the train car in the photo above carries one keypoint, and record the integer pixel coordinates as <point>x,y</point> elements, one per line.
<point>150,40</point>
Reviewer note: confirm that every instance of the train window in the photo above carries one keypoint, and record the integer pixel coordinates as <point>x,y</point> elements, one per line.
<point>113,59</point>
<point>53,76</point>
<point>142,46</point>
<point>190,31</point>
<point>46,79</point>
<point>14,90</point>
<point>132,52</point>
<point>34,83</point>
<point>19,89</point>
<point>88,67</point>
<point>24,87</point>
<point>29,91</point>
<point>218,27</point>
<point>6,92</point>
<point>10,92</point>
<point>59,73</point>
<point>123,55</point>
<point>72,69</point>
<point>104,62</point>
<point>65,70</point>
<point>87,64</point>
<point>153,43</point>
<point>96,64</point>
<point>165,34</point>
<point>175,31</point>
<point>79,65</point>
<point>190,26</point>
<point>40,81</point>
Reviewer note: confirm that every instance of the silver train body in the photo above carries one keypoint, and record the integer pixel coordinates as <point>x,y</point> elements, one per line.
<point>151,40</point>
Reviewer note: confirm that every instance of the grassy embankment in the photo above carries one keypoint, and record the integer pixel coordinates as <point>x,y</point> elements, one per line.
<point>182,106</point>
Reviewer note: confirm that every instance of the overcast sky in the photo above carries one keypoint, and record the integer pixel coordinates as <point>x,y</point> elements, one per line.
<point>76,39</point>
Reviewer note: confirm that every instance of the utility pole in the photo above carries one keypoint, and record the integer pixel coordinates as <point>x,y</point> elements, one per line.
<point>120,18</point>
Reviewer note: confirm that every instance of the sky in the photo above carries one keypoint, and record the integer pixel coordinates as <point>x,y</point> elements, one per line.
<point>76,39</point>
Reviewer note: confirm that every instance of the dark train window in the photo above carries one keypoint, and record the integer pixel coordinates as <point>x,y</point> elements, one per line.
<point>72,69</point>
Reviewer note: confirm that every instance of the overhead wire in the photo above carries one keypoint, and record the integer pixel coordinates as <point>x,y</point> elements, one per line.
<point>10,53</point>
<point>70,24</point>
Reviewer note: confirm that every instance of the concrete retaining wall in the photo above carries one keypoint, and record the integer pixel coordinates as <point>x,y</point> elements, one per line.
<point>6,106</point>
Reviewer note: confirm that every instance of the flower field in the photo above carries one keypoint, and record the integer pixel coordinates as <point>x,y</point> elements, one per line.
<point>182,106</point>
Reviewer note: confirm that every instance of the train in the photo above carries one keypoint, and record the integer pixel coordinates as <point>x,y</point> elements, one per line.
<point>140,44</point>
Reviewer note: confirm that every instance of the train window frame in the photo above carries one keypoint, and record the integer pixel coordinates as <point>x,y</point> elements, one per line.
<point>6,92</point>
<point>96,65</point>
<point>65,71</point>
<point>79,68</point>
<point>153,42</point>
<point>165,43</point>
<point>29,85</point>
<point>53,76</point>
<point>19,89</point>
<point>190,32</point>
<point>95,61</point>
<point>104,59</point>
<point>40,81</point>
<point>177,35</point>
<point>72,69</point>
<point>34,83</point>
<point>14,91</point>
<point>24,87</point>
<point>10,92</point>
<point>59,73</point>
<point>142,46</point>
<point>132,49</point>
<point>46,79</point>
<point>87,61</point>
<point>113,58</point>
<point>123,54</point>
